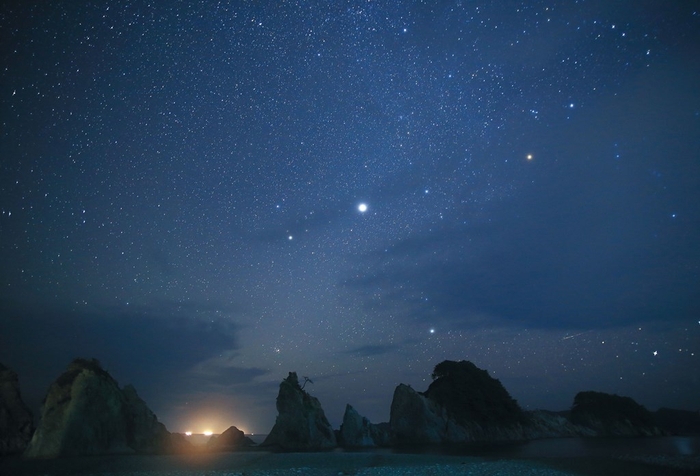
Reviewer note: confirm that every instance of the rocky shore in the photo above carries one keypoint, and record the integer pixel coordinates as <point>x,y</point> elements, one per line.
<point>86,413</point>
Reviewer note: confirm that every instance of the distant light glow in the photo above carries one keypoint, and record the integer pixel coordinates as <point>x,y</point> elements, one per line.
<point>208,433</point>
<point>188,433</point>
<point>362,207</point>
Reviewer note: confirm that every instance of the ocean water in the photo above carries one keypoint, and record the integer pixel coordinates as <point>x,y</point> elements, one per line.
<point>566,447</point>
<point>587,447</point>
<point>555,457</point>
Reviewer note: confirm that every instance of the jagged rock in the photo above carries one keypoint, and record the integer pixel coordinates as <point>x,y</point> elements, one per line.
<point>472,396</point>
<point>463,404</point>
<point>613,415</point>
<point>145,433</point>
<point>85,412</point>
<point>546,424</point>
<point>301,423</point>
<point>230,440</point>
<point>357,431</point>
<point>415,420</point>
<point>16,421</point>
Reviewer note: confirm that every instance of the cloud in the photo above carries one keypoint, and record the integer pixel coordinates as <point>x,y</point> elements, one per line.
<point>568,254</point>
<point>153,348</point>
<point>223,372</point>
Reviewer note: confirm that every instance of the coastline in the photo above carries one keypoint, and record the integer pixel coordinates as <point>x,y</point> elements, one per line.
<point>369,463</point>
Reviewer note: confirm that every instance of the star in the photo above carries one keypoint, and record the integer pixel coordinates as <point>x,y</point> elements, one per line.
<point>655,353</point>
<point>362,207</point>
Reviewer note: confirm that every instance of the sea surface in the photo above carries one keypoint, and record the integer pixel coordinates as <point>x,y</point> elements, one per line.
<point>669,456</point>
<point>588,447</point>
<point>572,447</point>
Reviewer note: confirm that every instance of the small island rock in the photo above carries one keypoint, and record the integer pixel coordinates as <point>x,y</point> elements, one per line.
<point>86,413</point>
<point>301,424</point>
<point>230,440</point>
<point>462,404</point>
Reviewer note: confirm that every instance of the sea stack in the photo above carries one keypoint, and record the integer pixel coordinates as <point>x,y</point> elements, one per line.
<point>86,413</point>
<point>301,424</point>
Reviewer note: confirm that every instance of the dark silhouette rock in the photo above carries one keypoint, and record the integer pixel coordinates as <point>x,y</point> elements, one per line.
<point>462,404</point>
<point>612,415</point>
<point>357,431</point>
<point>301,423</point>
<point>678,422</point>
<point>230,440</point>
<point>16,421</point>
<point>85,412</point>
<point>471,396</point>
<point>145,434</point>
<point>415,420</point>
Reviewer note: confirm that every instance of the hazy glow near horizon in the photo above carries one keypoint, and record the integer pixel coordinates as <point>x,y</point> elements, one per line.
<point>208,433</point>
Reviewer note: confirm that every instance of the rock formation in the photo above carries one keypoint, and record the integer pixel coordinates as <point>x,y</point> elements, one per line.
<point>357,431</point>
<point>145,433</point>
<point>678,422</point>
<point>546,424</point>
<point>612,415</point>
<point>16,421</point>
<point>415,420</point>
<point>230,440</point>
<point>85,412</point>
<point>462,404</point>
<point>301,423</point>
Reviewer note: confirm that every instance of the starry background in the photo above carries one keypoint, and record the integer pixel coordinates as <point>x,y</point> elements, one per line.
<point>180,185</point>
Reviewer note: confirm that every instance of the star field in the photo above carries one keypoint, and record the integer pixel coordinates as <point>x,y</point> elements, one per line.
<point>208,195</point>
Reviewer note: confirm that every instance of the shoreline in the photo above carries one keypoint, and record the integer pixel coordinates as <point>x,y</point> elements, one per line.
<point>369,463</point>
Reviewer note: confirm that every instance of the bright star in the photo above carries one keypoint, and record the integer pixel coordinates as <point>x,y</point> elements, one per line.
<point>362,207</point>
<point>529,157</point>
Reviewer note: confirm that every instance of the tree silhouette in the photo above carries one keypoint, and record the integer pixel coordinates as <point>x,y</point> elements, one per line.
<point>306,380</point>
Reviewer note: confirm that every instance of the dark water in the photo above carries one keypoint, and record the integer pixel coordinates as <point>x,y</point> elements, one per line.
<point>587,447</point>
<point>573,448</point>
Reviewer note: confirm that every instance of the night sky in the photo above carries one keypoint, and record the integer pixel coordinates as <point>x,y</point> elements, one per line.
<point>207,195</point>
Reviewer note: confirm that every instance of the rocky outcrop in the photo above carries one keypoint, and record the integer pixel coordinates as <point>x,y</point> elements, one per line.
<point>85,412</point>
<point>230,440</point>
<point>463,404</point>
<point>613,415</point>
<point>357,431</point>
<point>678,422</point>
<point>415,420</point>
<point>546,424</point>
<point>16,421</point>
<point>145,434</point>
<point>301,424</point>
